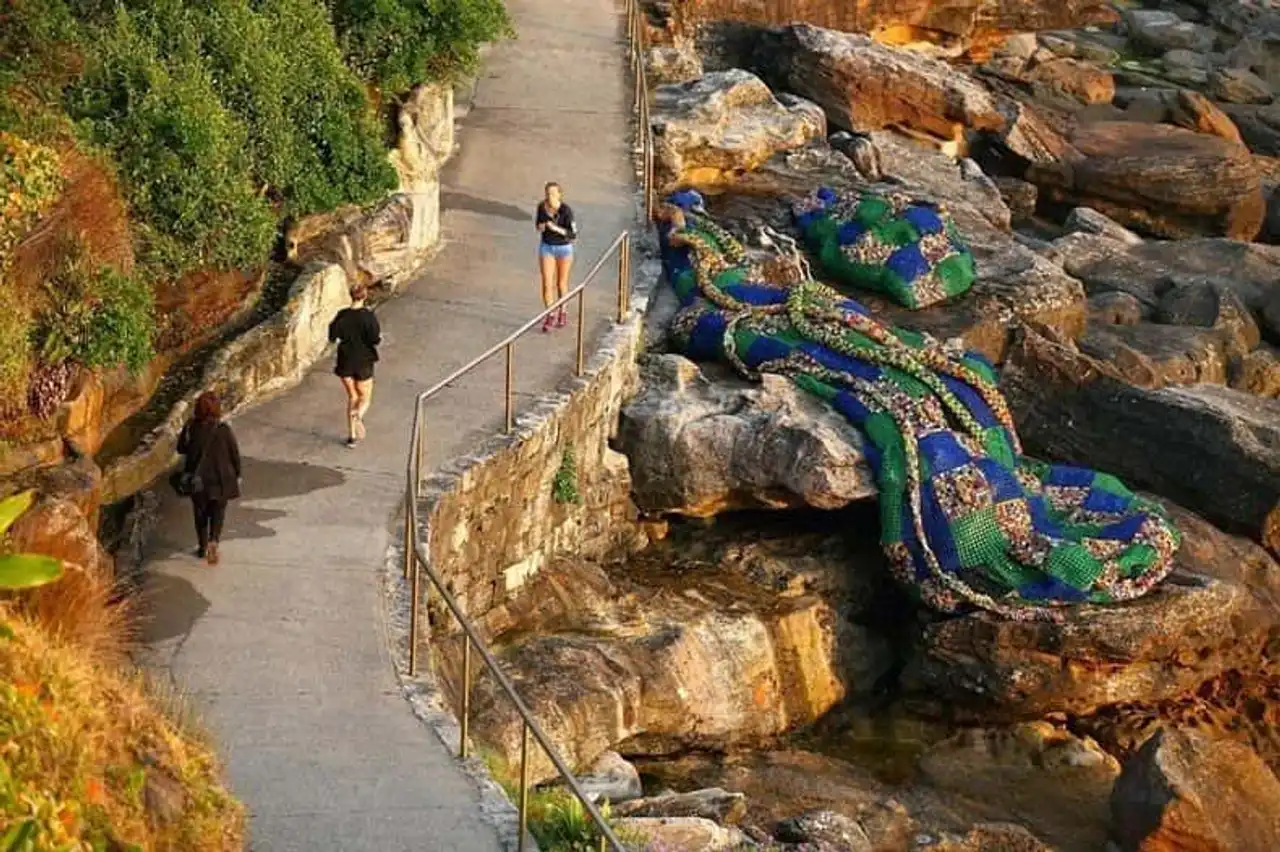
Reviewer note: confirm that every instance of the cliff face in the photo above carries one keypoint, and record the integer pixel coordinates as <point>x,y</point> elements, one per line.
<point>975,25</point>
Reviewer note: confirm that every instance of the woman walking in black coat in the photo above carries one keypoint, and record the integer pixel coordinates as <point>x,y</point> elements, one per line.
<point>212,466</point>
<point>357,333</point>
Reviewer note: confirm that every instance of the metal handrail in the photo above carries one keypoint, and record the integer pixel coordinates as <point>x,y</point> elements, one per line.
<point>416,558</point>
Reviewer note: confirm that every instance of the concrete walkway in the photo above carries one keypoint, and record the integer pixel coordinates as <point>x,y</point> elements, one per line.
<point>283,647</point>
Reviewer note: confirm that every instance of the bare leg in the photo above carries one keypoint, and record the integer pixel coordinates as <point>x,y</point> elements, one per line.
<point>353,403</point>
<point>547,266</point>
<point>364,398</point>
<point>563,266</point>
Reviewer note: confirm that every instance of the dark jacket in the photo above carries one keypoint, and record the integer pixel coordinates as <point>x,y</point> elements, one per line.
<point>358,335</point>
<point>212,453</point>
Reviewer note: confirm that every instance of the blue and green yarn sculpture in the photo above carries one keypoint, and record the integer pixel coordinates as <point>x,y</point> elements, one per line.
<point>966,519</point>
<point>906,249</point>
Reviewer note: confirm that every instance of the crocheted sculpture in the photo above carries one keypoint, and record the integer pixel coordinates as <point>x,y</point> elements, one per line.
<point>909,250</point>
<point>966,519</point>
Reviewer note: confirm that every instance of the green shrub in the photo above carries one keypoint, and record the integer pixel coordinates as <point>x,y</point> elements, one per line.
<point>15,349</point>
<point>30,181</point>
<point>400,43</point>
<point>97,316</point>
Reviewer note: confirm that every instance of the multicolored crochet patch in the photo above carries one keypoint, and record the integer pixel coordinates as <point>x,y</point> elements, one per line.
<point>966,519</point>
<point>906,249</point>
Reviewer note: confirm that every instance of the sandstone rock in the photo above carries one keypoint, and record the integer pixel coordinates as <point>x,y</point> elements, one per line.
<point>865,86</point>
<point>611,777</point>
<point>1259,126</point>
<point>1019,196</point>
<point>1083,81</point>
<point>986,837</point>
<point>1194,111</point>
<point>1208,304</point>
<point>1056,782</point>
<point>826,830</point>
<point>678,63</point>
<point>719,806</point>
<point>1182,58</point>
<point>1086,220</point>
<point>979,25</point>
<point>688,834</point>
<point>1145,436</point>
<point>1115,309</point>
<point>1161,179</point>
<point>1020,45</point>
<point>699,447</point>
<point>1238,86</point>
<point>1161,31</point>
<point>1150,355</point>
<point>1184,791</point>
<point>710,129</point>
<point>645,662</point>
<point>1257,373</point>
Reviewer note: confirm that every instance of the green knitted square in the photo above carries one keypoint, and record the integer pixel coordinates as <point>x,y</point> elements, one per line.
<point>1073,565</point>
<point>978,538</point>
<point>1136,560</point>
<point>896,232</point>
<point>956,273</point>
<point>1108,483</point>
<point>871,209</point>
<point>997,445</point>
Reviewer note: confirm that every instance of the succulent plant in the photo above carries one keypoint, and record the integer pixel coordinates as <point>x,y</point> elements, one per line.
<point>23,570</point>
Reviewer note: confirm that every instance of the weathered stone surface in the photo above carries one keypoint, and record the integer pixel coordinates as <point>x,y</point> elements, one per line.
<point>712,803</point>
<point>1194,111</point>
<point>678,63</point>
<point>1165,180</point>
<point>1208,304</point>
<point>985,837</point>
<point>1145,436</point>
<point>638,660</point>
<point>1270,314</point>
<point>698,447</point>
<point>1239,86</point>
<point>1056,782</point>
<point>1185,791</point>
<point>865,86</point>
<point>709,130</point>
<point>825,829</point>
<point>1086,220</point>
<point>1257,373</point>
<point>1074,78</point>
<point>979,25</point>
<point>1019,196</point>
<point>1259,127</point>
<point>688,834</point>
<point>1160,31</point>
<point>613,778</point>
<point>1115,309</point>
<point>1151,355</point>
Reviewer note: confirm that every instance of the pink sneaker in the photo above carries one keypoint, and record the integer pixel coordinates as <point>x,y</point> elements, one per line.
<point>562,319</point>
<point>548,323</point>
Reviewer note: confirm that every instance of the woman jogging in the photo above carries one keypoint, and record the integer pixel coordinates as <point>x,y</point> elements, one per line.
<point>558,229</point>
<point>210,473</point>
<point>357,332</point>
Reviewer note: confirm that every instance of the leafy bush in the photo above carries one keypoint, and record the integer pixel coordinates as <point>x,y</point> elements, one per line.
<point>97,316</point>
<point>400,43</point>
<point>30,181</point>
<point>15,350</point>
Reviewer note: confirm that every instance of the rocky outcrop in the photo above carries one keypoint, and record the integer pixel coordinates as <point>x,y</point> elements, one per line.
<point>1165,180</point>
<point>1145,436</point>
<point>865,86</point>
<point>712,803</point>
<point>699,446</point>
<point>689,834</point>
<point>1186,791</point>
<point>973,24</point>
<point>711,129</point>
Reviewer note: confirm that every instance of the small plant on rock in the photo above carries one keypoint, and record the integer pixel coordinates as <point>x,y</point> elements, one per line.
<point>564,487</point>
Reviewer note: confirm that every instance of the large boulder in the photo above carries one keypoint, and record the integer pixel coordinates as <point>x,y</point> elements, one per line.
<point>1186,791</point>
<point>1259,126</point>
<point>864,85</point>
<point>1166,180</point>
<point>713,128</point>
<point>699,446</point>
<point>1159,31</point>
<point>689,834</point>
<point>1147,436</point>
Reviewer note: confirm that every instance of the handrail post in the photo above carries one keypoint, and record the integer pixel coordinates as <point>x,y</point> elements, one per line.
<point>624,252</point>
<point>415,606</point>
<point>463,746</point>
<point>420,449</point>
<point>524,785</point>
<point>509,394</point>
<point>581,342</point>
<point>408,533</point>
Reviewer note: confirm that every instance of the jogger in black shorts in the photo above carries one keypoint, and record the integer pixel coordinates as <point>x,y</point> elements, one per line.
<point>357,332</point>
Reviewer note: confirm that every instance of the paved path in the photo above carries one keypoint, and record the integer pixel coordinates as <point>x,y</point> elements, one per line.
<point>283,647</point>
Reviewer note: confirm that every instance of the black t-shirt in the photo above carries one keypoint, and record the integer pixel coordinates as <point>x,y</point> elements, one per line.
<point>358,335</point>
<point>564,218</point>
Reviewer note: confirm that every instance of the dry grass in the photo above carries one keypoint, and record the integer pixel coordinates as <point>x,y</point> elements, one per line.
<point>82,609</point>
<point>91,763</point>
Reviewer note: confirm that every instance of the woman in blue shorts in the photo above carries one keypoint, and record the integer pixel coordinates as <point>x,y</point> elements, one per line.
<point>558,229</point>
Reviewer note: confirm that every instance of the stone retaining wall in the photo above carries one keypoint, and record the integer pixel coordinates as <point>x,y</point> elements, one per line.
<point>390,242</point>
<point>491,519</point>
